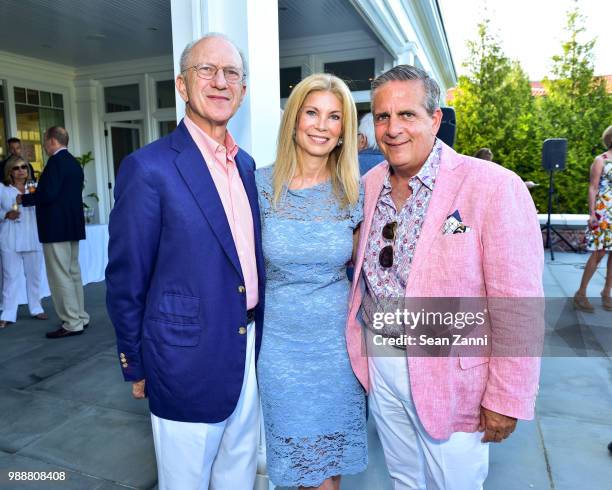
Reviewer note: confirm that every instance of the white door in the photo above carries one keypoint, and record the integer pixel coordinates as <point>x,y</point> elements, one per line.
<point>121,140</point>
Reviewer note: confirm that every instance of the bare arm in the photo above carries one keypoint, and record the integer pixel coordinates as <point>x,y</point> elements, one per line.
<point>595,177</point>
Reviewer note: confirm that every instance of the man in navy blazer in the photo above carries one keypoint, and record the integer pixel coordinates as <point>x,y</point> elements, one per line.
<point>61,224</point>
<point>185,280</point>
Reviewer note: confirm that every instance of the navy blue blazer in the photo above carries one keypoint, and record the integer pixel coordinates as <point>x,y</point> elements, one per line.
<point>59,200</point>
<point>174,281</point>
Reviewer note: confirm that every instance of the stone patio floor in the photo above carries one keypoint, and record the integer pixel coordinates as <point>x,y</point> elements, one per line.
<point>65,407</point>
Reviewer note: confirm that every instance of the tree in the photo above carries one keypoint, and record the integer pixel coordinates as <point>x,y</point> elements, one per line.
<point>494,107</point>
<point>576,107</point>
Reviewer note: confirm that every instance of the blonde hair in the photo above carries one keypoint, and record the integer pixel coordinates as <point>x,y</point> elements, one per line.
<point>8,168</point>
<point>606,138</point>
<point>342,161</point>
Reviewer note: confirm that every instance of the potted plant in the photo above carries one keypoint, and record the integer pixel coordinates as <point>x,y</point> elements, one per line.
<point>89,212</point>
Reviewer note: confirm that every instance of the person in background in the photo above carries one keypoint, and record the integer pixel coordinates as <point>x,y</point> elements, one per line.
<point>484,154</point>
<point>19,244</point>
<point>61,224</point>
<point>487,155</point>
<point>15,149</point>
<point>599,231</point>
<point>369,155</point>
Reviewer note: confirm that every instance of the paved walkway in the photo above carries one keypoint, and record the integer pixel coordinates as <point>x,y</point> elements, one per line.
<point>64,406</point>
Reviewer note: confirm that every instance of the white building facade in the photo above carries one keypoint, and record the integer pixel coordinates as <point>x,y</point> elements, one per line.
<point>107,74</point>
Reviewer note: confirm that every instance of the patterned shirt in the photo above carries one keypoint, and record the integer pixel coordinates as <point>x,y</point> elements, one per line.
<point>389,284</point>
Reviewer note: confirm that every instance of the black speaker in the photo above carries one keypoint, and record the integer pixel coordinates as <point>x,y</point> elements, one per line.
<point>448,127</point>
<point>554,154</point>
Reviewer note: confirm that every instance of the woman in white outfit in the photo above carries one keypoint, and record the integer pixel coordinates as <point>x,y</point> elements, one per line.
<point>21,251</point>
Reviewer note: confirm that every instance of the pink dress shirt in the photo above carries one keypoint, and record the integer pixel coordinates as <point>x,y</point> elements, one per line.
<point>222,166</point>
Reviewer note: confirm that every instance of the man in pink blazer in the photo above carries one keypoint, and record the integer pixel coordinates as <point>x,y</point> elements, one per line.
<point>440,224</point>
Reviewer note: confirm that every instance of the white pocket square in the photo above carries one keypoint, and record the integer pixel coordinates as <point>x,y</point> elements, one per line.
<point>454,225</point>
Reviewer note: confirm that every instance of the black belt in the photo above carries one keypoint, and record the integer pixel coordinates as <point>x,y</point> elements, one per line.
<point>250,316</point>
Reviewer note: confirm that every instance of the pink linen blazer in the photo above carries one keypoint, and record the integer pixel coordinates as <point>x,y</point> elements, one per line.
<point>502,256</point>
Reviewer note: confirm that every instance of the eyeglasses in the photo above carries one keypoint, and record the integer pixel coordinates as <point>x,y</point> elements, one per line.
<point>20,167</point>
<point>208,72</point>
<point>385,257</point>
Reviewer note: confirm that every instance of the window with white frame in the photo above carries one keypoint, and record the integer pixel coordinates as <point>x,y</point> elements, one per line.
<point>3,148</point>
<point>164,109</point>
<point>289,78</point>
<point>357,74</point>
<point>36,111</point>
<point>164,91</point>
<point>122,98</point>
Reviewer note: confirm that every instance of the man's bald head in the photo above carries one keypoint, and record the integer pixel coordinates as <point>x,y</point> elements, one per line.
<point>186,61</point>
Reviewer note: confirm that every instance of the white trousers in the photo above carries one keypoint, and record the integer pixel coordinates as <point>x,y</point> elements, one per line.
<point>13,265</point>
<point>221,456</point>
<point>1,282</point>
<point>415,460</point>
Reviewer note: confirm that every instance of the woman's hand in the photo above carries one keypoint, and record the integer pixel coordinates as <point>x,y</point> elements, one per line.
<point>593,222</point>
<point>12,215</point>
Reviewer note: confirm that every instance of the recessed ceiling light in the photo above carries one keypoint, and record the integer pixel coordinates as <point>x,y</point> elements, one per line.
<point>96,37</point>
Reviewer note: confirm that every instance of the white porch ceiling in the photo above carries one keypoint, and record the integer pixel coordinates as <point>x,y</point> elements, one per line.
<point>86,32</point>
<point>303,18</point>
<point>90,32</point>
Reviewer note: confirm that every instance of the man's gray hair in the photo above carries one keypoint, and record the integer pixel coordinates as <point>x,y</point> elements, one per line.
<point>186,54</point>
<point>58,133</point>
<point>404,73</point>
<point>366,128</point>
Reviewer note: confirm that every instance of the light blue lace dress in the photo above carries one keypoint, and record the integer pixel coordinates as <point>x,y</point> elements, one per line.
<point>313,406</point>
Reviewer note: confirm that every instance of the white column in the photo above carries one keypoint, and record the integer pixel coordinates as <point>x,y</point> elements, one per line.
<point>406,57</point>
<point>90,139</point>
<point>253,26</point>
<point>186,26</point>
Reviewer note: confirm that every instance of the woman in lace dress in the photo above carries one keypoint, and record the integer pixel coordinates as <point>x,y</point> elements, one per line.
<point>599,232</point>
<point>311,206</point>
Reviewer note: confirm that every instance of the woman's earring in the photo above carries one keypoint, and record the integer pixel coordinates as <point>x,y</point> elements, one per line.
<point>340,141</point>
